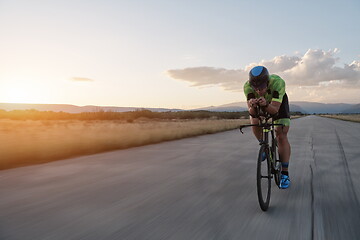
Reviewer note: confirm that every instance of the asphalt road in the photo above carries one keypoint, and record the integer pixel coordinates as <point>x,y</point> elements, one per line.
<point>195,188</point>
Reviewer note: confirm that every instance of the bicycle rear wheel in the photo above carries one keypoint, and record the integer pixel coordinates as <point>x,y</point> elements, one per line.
<point>276,162</point>
<point>263,179</point>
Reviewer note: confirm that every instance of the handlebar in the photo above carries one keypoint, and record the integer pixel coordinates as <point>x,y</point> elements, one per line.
<point>260,112</point>
<point>260,125</point>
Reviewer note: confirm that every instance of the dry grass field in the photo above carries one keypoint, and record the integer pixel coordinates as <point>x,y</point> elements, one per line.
<point>346,117</point>
<point>25,142</point>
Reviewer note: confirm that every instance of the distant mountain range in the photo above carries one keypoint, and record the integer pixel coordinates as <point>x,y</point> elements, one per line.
<point>75,109</point>
<point>353,109</point>
<point>296,106</point>
<point>304,107</point>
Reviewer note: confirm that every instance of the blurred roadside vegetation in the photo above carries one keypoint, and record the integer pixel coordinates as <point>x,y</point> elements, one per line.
<point>122,116</point>
<point>33,137</point>
<point>353,117</point>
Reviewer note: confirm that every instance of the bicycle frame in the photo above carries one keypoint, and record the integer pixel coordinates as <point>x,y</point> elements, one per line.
<point>267,127</point>
<point>270,163</point>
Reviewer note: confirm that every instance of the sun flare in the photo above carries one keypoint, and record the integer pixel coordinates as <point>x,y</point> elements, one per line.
<point>21,91</point>
<point>17,95</point>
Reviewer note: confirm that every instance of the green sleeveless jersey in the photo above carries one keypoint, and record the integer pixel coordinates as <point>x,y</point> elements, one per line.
<point>275,92</point>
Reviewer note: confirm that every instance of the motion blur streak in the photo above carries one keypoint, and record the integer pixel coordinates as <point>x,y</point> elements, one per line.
<point>196,188</point>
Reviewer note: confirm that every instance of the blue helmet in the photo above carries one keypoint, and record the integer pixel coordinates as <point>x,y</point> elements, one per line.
<point>259,77</point>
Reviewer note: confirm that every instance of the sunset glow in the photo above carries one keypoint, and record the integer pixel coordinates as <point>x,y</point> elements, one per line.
<point>142,54</point>
<point>23,90</point>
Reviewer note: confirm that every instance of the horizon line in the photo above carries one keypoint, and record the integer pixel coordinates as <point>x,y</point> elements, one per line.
<point>91,105</point>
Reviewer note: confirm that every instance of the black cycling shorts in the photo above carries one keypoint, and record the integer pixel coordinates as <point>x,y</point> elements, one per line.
<point>284,111</point>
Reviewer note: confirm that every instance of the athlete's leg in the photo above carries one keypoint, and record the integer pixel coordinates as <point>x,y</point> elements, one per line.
<point>283,145</point>
<point>256,130</point>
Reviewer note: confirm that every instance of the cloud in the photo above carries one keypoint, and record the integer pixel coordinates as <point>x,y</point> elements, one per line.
<point>277,64</point>
<point>201,76</point>
<point>81,79</point>
<point>318,66</point>
<point>315,68</point>
<point>331,93</point>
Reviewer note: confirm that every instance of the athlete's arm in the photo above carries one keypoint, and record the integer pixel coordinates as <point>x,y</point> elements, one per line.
<point>251,106</point>
<point>251,99</point>
<point>271,108</point>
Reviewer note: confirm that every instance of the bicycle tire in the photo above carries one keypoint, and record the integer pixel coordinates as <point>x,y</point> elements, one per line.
<point>277,163</point>
<point>263,179</point>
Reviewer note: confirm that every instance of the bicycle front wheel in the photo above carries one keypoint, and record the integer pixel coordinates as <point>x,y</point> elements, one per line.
<point>263,178</point>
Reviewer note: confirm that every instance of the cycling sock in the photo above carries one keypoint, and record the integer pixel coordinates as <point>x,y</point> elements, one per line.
<point>285,165</point>
<point>285,173</point>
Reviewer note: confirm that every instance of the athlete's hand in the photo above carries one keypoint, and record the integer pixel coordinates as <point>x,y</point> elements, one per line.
<point>253,102</point>
<point>262,102</point>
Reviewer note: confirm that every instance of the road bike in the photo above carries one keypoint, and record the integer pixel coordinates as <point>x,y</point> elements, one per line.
<point>268,163</point>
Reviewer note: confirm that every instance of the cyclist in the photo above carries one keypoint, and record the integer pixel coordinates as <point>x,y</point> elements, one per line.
<point>268,92</point>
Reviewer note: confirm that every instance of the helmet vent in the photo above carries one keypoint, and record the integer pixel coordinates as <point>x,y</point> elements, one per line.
<point>256,71</point>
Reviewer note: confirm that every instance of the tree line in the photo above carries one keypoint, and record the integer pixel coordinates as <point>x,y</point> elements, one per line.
<point>125,116</point>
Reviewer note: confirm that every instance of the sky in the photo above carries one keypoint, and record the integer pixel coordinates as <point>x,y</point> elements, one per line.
<point>176,54</point>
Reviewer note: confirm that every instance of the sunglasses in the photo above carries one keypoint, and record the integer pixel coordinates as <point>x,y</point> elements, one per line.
<point>260,87</point>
